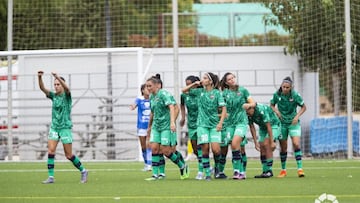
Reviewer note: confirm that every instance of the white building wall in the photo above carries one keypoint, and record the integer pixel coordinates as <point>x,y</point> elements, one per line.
<point>260,69</point>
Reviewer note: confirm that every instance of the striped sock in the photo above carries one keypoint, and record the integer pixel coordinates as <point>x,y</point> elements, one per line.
<point>76,162</point>
<point>298,155</point>
<point>51,164</point>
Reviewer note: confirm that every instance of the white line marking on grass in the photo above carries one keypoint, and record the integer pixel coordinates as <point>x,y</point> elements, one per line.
<point>61,170</point>
<point>288,197</point>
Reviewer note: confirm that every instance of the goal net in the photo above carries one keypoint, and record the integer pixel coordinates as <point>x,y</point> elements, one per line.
<point>314,31</point>
<point>318,37</point>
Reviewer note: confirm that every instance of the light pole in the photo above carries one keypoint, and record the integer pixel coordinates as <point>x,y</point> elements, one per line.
<point>110,136</point>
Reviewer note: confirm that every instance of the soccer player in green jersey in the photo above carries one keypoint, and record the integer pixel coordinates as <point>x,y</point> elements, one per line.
<point>209,124</point>
<point>284,103</point>
<point>162,128</point>
<point>61,124</point>
<point>191,104</point>
<point>237,99</point>
<point>269,131</point>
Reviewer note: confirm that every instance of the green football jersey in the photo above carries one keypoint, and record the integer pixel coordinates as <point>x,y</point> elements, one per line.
<point>234,101</point>
<point>191,103</point>
<point>61,111</point>
<point>208,103</point>
<point>159,107</point>
<point>287,105</point>
<point>263,114</point>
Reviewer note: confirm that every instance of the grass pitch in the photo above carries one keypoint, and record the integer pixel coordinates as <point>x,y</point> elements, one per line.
<point>124,182</point>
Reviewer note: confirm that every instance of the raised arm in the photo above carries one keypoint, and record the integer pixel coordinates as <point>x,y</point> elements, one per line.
<point>63,84</point>
<point>250,103</point>
<point>187,88</point>
<point>41,83</point>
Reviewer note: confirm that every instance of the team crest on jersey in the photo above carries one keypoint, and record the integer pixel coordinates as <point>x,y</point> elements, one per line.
<point>147,104</point>
<point>212,96</point>
<point>238,94</point>
<point>291,99</point>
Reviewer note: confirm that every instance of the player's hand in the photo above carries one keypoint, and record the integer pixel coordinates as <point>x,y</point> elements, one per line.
<point>54,74</point>
<point>295,120</point>
<point>273,145</point>
<point>219,127</point>
<point>278,114</point>
<point>132,107</point>
<point>257,146</point>
<point>40,73</point>
<point>173,127</point>
<point>246,106</point>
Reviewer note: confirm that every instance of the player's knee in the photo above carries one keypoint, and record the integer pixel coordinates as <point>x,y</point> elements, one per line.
<point>51,151</point>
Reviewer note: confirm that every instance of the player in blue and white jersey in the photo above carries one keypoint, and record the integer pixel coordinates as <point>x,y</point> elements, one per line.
<point>143,116</point>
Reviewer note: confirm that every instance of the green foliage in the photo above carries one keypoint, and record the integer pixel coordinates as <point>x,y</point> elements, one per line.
<point>316,31</point>
<point>317,35</point>
<point>34,21</point>
<point>83,24</point>
<point>3,24</point>
<point>43,24</point>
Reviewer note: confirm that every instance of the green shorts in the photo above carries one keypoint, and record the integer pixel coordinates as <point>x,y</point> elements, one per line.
<point>165,137</point>
<point>226,136</point>
<point>241,130</point>
<point>243,142</point>
<point>275,131</point>
<point>192,134</point>
<point>64,135</point>
<point>290,130</point>
<point>208,135</point>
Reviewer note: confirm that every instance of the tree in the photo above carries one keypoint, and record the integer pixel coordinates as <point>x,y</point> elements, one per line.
<point>83,24</point>
<point>317,35</point>
<point>310,24</point>
<point>3,24</point>
<point>35,21</point>
<point>43,24</point>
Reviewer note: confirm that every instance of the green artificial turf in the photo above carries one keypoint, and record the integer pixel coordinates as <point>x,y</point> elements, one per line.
<point>124,182</point>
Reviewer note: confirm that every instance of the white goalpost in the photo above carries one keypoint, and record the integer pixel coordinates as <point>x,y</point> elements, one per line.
<point>85,72</point>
